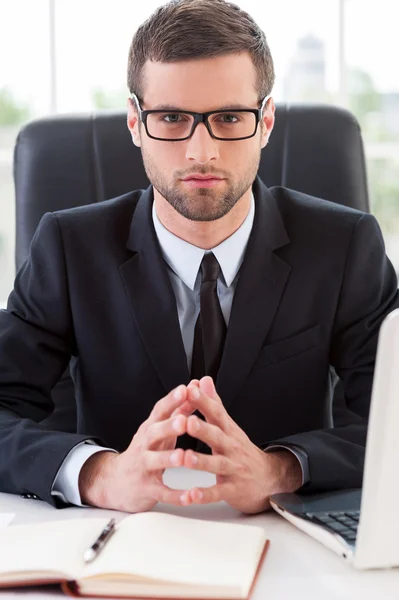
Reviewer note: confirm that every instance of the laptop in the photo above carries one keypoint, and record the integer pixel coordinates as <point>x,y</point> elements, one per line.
<point>362,525</point>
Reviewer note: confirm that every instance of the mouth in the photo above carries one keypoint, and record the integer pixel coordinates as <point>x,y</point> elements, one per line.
<point>202,180</point>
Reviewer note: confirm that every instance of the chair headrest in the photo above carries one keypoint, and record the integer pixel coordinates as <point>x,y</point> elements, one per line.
<point>66,161</point>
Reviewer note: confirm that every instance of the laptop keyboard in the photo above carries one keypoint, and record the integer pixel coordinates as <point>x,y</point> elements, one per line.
<point>343,523</point>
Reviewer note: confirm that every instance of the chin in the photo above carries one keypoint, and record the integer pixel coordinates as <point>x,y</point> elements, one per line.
<point>203,216</point>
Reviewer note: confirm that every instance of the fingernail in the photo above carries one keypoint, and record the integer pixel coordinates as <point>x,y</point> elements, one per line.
<point>174,458</point>
<point>195,393</point>
<point>177,424</point>
<point>178,393</point>
<point>194,459</point>
<point>183,498</point>
<point>200,494</point>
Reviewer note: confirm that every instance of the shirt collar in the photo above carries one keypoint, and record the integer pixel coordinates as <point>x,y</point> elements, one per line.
<point>185,258</point>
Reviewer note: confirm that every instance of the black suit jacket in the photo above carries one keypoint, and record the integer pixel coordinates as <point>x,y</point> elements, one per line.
<point>313,289</point>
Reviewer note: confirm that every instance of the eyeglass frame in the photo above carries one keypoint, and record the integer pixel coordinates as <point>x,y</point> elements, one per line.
<point>200,118</point>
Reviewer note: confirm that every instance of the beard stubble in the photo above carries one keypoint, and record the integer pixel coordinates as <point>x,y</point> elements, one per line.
<point>200,204</point>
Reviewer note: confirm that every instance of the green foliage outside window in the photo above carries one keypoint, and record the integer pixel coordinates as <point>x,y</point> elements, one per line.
<point>109,99</point>
<point>11,113</point>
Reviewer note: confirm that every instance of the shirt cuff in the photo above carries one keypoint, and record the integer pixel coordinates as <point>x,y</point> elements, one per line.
<point>299,453</point>
<point>66,482</point>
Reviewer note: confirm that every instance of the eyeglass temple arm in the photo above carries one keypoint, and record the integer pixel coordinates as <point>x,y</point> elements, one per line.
<point>134,98</point>
<point>264,101</point>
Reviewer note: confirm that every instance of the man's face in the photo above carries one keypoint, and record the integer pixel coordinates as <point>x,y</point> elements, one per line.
<point>201,85</point>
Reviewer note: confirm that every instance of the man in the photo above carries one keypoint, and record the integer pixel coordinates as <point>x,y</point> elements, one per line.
<point>207,272</point>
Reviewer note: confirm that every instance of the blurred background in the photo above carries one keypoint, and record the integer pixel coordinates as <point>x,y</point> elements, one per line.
<point>60,56</point>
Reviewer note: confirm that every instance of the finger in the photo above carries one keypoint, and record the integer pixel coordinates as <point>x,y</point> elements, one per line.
<point>159,460</point>
<point>213,411</point>
<point>214,493</point>
<point>195,382</point>
<point>165,407</point>
<point>212,463</point>
<point>209,434</point>
<point>207,387</point>
<point>185,409</point>
<point>163,430</point>
<point>162,493</point>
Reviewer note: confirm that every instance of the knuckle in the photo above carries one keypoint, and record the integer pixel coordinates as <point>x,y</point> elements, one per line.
<point>141,429</point>
<point>218,436</point>
<point>152,434</point>
<point>156,411</point>
<point>149,433</point>
<point>230,427</point>
<point>236,444</point>
<point>223,464</point>
<point>217,411</point>
<point>137,446</point>
<point>240,468</point>
<point>146,460</point>
<point>161,406</point>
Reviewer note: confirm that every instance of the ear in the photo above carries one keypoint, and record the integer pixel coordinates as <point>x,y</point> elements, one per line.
<point>133,122</point>
<point>268,121</point>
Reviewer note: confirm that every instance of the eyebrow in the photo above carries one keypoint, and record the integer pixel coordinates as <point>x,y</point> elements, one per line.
<point>170,107</point>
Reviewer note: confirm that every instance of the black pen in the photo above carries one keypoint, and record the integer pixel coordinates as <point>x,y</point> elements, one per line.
<point>91,553</point>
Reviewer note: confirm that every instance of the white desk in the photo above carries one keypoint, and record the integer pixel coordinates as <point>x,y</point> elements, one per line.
<point>296,566</point>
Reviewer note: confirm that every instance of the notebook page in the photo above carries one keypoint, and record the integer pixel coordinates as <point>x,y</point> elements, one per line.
<point>54,547</point>
<point>191,551</point>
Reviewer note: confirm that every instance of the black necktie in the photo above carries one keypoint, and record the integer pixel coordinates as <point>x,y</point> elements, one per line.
<point>210,328</point>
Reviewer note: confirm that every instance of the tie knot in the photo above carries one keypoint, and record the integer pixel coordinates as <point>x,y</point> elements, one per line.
<point>210,268</point>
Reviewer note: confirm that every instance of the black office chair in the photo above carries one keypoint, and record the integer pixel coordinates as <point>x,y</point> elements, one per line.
<point>66,161</point>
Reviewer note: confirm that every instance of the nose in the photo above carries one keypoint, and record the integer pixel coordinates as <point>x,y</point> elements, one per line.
<point>201,147</point>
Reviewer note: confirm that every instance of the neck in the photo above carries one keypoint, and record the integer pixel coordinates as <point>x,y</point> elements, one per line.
<point>204,234</point>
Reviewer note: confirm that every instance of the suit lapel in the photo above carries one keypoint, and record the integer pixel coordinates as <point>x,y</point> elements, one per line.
<point>152,298</point>
<point>261,283</point>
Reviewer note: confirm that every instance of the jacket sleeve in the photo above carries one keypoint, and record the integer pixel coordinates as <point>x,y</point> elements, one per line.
<point>368,293</point>
<point>36,344</point>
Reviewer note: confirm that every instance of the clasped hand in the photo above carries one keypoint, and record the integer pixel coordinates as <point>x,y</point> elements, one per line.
<point>245,475</point>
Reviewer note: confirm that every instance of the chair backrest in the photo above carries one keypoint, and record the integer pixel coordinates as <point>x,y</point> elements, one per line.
<point>66,161</point>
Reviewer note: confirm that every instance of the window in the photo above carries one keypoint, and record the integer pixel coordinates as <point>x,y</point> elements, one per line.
<point>24,93</point>
<point>304,41</point>
<point>72,56</point>
<point>373,95</point>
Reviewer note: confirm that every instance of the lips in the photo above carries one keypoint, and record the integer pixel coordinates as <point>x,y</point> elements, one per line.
<point>202,181</point>
<point>202,178</point>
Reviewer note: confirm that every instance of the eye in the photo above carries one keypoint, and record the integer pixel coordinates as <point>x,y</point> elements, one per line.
<point>172,117</point>
<point>227,118</point>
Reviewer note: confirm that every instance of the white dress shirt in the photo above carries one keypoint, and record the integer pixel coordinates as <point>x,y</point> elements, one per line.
<point>183,262</point>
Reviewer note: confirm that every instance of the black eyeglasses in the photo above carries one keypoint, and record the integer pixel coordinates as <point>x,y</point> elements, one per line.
<point>179,125</point>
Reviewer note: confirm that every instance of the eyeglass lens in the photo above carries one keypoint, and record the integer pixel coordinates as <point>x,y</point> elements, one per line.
<point>224,125</point>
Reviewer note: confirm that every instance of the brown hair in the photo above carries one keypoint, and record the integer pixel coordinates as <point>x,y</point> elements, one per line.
<point>192,29</point>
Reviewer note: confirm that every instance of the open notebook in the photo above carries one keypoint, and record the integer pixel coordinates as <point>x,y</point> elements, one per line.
<point>150,555</point>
